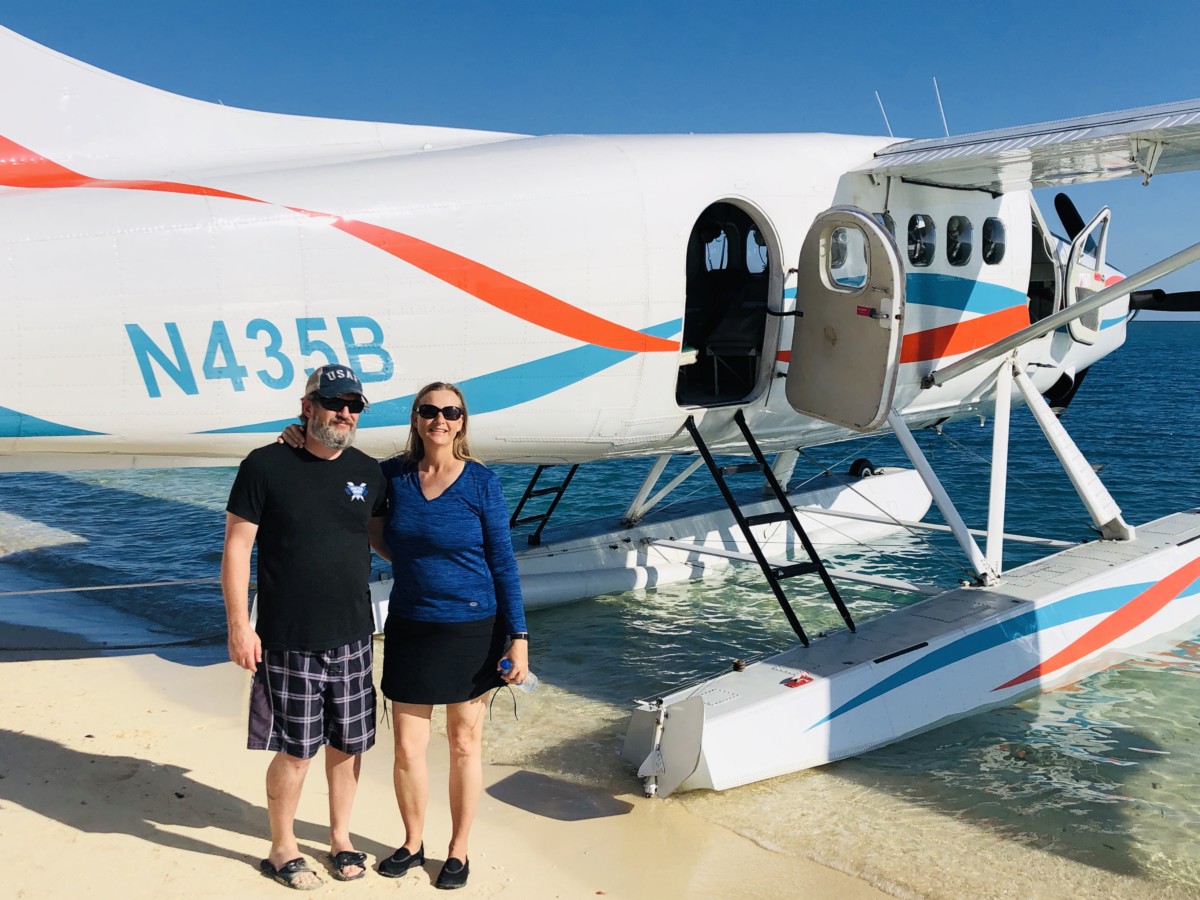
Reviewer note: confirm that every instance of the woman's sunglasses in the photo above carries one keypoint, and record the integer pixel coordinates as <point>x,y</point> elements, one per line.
<point>337,404</point>
<point>449,413</point>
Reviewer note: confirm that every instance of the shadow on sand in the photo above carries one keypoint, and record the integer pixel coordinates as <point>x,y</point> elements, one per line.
<point>99,794</point>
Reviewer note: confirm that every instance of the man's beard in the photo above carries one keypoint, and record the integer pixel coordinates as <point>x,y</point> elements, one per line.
<point>331,437</point>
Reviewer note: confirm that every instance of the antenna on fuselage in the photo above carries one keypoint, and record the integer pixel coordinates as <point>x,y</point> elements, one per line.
<point>941,109</point>
<point>885,118</point>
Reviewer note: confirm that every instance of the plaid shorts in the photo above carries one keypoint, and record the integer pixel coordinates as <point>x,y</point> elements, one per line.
<point>300,700</point>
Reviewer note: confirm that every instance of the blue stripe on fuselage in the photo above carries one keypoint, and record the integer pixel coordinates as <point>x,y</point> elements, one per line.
<point>953,292</point>
<point>495,390</point>
<point>962,294</point>
<point>15,424</point>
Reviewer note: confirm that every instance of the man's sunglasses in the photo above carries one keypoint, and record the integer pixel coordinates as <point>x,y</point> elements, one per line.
<point>449,413</point>
<point>337,404</point>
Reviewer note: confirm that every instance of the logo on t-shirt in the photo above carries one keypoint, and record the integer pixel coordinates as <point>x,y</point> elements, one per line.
<point>357,491</point>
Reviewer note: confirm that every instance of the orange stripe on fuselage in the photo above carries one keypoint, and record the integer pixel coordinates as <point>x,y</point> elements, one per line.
<point>1120,623</point>
<point>501,291</point>
<point>23,168</point>
<point>964,336</point>
<point>958,337</point>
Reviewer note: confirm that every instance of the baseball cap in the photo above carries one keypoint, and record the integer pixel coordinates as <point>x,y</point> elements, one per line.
<point>330,381</point>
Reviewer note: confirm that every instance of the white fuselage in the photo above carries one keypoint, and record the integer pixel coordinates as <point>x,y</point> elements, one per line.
<point>547,276</point>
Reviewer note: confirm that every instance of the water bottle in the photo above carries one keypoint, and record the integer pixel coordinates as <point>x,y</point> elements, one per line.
<point>529,685</point>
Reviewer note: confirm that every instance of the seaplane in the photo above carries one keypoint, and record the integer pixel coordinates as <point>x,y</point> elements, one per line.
<point>170,271</point>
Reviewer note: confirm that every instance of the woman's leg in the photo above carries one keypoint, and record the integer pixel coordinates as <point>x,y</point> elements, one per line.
<point>410,772</point>
<point>464,729</point>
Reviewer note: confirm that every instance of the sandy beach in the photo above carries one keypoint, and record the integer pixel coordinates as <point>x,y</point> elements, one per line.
<point>128,773</point>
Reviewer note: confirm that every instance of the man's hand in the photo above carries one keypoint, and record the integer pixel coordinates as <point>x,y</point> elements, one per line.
<point>245,647</point>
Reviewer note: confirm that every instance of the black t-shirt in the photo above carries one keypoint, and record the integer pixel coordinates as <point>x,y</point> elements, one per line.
<point>314,555</point>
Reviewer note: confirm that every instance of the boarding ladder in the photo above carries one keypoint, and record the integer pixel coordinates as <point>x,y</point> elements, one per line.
<point>774,570</point>
<point>554,491</point>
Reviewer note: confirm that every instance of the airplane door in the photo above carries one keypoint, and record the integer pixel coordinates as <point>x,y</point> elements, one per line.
<point>1085,275</point>
<point>850,303</point>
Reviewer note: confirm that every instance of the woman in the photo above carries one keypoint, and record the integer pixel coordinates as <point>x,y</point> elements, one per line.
<point>455,603</point>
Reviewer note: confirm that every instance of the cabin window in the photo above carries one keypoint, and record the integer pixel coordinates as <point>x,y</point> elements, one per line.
<point>922,239</point>
<point>756,252</point>
<point>993,240</point>
<point>959,233</point>
<point>847,257</point>
<point>716,249</point>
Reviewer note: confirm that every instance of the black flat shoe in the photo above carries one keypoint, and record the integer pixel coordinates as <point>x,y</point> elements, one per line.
<point>453,875</point>
<point>400,862</point>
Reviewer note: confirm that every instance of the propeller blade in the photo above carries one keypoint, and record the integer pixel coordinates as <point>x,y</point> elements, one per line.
<point>1071,220</point>
<point>1162,301</point>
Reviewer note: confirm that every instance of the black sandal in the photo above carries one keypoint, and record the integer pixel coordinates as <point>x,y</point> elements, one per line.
<point>344,859</point>
<point>289,873</point>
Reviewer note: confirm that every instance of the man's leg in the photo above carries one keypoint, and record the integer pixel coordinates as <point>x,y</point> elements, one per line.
<point>285,779</point>
<point>464,730</point>
<point>342,770</point>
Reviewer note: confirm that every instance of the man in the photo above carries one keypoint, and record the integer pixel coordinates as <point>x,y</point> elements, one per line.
<point>313,512</point>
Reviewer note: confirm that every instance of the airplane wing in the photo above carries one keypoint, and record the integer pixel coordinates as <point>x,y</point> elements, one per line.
<point>1146,141</point>
<point>90,120</point>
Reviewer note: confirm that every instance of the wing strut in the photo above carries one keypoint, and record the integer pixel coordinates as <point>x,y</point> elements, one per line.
<point>1185,257</point>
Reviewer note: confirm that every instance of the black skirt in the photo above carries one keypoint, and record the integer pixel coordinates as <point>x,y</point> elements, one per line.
<point>440,662</point>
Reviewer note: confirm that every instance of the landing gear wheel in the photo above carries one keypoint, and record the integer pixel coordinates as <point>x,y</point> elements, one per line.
<point>861,468</point>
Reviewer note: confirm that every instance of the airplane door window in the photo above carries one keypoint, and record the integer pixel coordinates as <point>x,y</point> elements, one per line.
<point>959,232</point>
<point>847,258</point>
<point>993,241</point>
<point>922,239</point>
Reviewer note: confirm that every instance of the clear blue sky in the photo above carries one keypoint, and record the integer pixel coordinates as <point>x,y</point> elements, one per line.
<point>670,66</point>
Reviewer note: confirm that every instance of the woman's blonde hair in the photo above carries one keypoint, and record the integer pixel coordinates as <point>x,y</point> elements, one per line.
<point>415,449</point>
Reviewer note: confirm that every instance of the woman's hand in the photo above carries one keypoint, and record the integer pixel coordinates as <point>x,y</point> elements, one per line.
<point>518,655</point>
<point>293,436</point>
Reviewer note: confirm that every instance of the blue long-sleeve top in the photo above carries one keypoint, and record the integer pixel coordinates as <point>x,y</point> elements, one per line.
<point>452,557</point>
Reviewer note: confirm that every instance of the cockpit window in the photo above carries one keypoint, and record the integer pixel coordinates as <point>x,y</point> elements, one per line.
<point>922,239</point>
<point>885,219</point>
<point>959,233</point>
<point>993,241</point>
